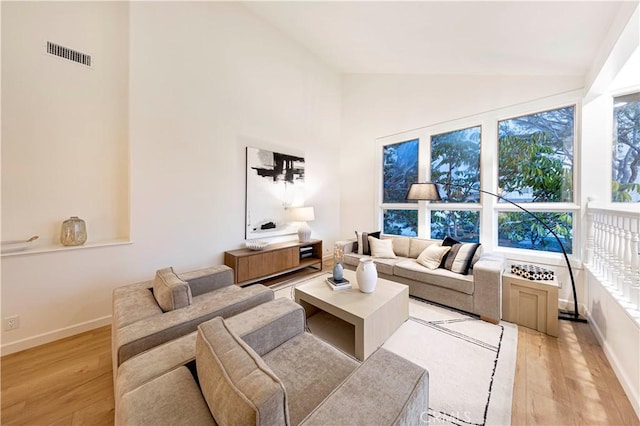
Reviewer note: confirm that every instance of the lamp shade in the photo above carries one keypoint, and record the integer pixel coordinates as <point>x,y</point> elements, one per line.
<point>424,191</point>
<point>301,214</point>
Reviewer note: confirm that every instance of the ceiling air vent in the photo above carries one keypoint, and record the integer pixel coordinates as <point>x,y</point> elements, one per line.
<point>70,54</point>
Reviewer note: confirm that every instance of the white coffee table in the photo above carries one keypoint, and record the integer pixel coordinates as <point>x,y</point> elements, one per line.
<point>374,316</point>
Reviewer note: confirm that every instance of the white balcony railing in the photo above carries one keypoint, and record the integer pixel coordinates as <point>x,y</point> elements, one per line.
<point>613,252</point>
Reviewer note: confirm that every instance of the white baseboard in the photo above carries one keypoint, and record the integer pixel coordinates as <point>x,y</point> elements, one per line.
<point>568,306</point>
<point>51,336</point>
<point>634,398</point>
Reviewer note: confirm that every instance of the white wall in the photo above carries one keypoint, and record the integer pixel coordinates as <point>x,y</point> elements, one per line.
<point>208,79</point>
<point>619,335</point>
<point>205,80</point>
<point>617,332</point>
<point>65,125</point>
<point>64,153</point>
<point>374,106</point>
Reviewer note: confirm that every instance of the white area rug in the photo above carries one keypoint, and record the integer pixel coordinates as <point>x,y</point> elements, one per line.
<point>471,363</point>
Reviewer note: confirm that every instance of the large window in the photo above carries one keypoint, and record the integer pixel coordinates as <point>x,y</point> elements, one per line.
<point>625,183</point>
<point>461,225</point>
<point>526,159</point>
<point>535,156</point>
<point>519,230</point>
<point>400,222</point>
<point>400,170</point>
<point>535,166</point>
<point>455,159</point>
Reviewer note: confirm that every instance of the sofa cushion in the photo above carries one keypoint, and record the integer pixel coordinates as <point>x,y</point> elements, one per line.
<point>400,244</point>
<point>385,390</point>
<point>132,303</point>
<point>269,325</point>
<point>155,362</point>
<point>208,279</point>
<point>385,266</point>
<point>381,248</point>
<point>418,245</point>
<point>352,259</point>
<point>310,370</point>
<point>432,256</point>
<point>362,242</point>
<point>236,383</point>
<point>170,291</point>
<point>460,257</point>
<point>171,399</point>
<point>152,331</point>
<point>411,269</point>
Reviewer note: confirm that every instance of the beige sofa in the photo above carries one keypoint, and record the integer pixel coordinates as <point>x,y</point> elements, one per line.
<point>479,292</point>
<point>260,367</point>
<point>140,323</point>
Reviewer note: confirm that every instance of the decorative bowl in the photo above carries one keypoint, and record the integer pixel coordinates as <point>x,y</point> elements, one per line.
<point>256,245</point>
<point>18,245</point>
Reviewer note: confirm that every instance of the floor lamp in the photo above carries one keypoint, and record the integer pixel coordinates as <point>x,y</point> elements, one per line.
<point>428,191</point>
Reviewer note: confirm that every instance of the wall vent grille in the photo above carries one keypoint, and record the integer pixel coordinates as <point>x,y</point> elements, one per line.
<point>70,54</point>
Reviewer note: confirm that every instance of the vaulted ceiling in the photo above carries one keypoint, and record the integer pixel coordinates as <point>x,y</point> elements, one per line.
<point>447,37</point>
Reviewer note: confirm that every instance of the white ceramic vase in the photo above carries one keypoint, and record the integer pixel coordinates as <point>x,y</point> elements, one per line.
<point>366,275</point>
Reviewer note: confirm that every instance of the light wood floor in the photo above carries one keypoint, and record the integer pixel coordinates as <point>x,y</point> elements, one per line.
<point>67,382</point>
<point>563,381</point>
<point>566,381</point>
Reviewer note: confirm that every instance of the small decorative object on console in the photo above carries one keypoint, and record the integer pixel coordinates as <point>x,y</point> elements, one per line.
<point>532,272</point>
<point>256,245</point>
<point>74,232</point>
<point>306,252</point>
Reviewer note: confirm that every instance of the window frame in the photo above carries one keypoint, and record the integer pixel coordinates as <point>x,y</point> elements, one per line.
<point>544,207</point>
<point>611,139</point>
<point>488,206</point>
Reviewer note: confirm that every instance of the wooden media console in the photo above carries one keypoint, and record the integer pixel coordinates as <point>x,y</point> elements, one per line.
<point>250,266</point>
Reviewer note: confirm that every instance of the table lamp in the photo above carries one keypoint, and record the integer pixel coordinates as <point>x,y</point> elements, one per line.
<point>304,215</point>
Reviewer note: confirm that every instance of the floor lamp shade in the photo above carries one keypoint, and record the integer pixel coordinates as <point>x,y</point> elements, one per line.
<point>424,191</point>
<point>304,215</point>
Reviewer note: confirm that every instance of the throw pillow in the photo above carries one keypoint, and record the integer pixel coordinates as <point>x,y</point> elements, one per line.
<point>170,291</point>
<point>362,242</point>
<point>459,258</point>
<point>476,257</point>
<point>381,248</point>
<point>448,241</point>
<point>432,256</point>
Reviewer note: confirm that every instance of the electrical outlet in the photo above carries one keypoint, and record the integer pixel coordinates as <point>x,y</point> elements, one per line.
<point>11,323</point>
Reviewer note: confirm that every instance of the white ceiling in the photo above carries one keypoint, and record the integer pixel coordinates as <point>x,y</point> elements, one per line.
<point>447,37</point>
